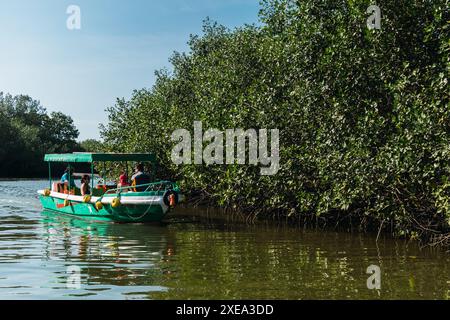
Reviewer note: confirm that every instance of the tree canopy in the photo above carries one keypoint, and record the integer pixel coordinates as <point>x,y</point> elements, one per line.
<point>364,114</point>
<point>28,132</point>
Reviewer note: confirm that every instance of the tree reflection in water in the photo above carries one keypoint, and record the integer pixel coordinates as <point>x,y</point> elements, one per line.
<point>219,261</point>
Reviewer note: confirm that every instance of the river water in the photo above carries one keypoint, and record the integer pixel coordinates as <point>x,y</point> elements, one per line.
<point>47,256</point>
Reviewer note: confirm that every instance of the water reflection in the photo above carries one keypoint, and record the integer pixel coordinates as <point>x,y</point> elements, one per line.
<point>281,263</point>
<point>122,258</point>
<point>206,260</point>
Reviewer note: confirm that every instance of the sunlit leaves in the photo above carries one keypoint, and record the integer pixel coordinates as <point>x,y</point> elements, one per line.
<point>363,114</point>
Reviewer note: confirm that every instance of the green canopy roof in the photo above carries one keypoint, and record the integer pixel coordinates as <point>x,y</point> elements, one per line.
<point>99,157</point>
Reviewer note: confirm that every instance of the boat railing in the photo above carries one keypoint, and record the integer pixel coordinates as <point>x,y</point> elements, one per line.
<point>169,185</point>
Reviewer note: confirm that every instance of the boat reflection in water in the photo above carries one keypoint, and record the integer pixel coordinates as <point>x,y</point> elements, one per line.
<point>189,257</point>
<point>124,259</point>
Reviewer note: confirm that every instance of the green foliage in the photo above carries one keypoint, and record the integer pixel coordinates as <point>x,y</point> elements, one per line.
<point>27,132</point>
<point>91,145</point>
<point>363,114</point>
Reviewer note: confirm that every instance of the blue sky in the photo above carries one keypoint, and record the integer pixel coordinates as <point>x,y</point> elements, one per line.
<point>117,50</point>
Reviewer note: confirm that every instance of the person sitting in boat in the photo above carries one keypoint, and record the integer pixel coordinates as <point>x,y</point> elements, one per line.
<point>85,188</point>
<point>67,180</point>
<point>140,178</point>
<point>123,180</point>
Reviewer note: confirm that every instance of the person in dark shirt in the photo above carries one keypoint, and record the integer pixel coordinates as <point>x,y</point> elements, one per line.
<point>140,178</point>
<point>85,188</point>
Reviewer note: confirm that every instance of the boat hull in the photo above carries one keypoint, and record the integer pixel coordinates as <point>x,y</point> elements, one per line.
<point>129,212</point>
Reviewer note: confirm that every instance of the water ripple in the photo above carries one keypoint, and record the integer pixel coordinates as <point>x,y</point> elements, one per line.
<point>39,251</point>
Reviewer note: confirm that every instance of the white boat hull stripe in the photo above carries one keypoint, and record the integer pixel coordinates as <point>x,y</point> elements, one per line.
<point>138,200</point>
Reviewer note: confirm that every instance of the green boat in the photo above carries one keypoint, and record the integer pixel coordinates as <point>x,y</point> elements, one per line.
<point>148,202</point>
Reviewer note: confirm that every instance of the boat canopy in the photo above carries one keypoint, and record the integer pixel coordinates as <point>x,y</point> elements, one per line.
<point>82,157</point>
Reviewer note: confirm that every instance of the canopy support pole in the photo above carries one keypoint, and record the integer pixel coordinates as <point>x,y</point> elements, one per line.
<point>153,170</point>
<point>50,174</point>
<point>92,177</point>
<point>70,177</point>
<point>104,173</point>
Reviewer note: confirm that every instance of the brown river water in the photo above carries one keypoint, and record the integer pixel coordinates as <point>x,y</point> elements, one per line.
<point>47,256</point>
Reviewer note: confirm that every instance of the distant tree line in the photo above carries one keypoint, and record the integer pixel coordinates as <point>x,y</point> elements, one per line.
<point>28,132</point>
<point>364,114</point>
<point>91,145</point>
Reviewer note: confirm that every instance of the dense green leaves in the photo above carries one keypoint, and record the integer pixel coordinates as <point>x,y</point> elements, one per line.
<point>91,145</point>
<point>363,114</point>
<point>27,132</point>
